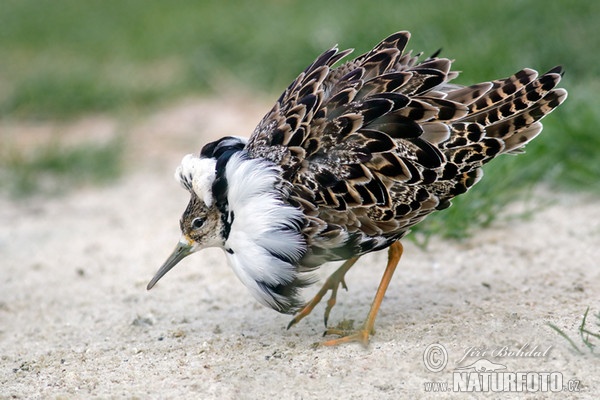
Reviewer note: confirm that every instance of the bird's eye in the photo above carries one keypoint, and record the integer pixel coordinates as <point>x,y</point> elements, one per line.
<point>197,223</point>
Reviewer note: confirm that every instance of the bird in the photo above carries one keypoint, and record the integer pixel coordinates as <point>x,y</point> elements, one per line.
<point>351,156</point>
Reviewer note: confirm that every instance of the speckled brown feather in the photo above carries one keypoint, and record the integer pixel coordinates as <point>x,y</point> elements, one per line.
<point>371,147</point>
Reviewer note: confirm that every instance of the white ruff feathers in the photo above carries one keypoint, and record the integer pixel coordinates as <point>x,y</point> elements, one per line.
<point>264,232</point>
<point>197,174</point>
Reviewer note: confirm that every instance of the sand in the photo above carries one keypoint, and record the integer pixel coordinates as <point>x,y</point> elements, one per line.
<point>77,322</point>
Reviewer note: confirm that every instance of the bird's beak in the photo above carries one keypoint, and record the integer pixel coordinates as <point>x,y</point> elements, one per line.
<point>184,248</point>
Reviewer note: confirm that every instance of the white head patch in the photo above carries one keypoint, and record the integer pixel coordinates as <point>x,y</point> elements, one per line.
<point>197,174</point>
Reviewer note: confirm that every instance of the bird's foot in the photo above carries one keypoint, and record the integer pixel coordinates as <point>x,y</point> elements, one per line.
<point>346,328</point>
<point>332,283</point>
<point>348,336</point>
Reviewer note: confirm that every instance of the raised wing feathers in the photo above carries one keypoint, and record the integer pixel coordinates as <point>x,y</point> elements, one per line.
<point>379,142</point>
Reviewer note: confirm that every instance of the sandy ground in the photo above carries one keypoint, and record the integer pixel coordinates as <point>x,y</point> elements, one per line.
<point>77,322</point>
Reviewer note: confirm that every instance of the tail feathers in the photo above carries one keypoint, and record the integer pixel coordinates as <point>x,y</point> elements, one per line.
<point>510,110</point>
<point>470,94</point>
<point>509,126</point>
<point>502,89</point>
<point>503,116</point>
<point>509,101</point>
<point>514,143</point>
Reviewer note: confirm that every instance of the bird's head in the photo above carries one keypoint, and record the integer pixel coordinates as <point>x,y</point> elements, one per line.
<point>201,227</point>
<point>202,223</point>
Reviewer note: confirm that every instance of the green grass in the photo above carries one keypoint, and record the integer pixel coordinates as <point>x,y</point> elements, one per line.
<point>64,58</point>
<point>588,338</point>
<point>60,58</point>
<point>53,169</point>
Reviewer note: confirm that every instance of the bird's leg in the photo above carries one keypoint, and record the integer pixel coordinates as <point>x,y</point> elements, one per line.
<point>362,335</point>
<point>332,283</point>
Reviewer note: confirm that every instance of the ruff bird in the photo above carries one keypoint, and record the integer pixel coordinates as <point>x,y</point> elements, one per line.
<point>349,158</point>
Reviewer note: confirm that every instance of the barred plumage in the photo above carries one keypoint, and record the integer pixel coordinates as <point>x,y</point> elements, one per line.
<point>354,155</point>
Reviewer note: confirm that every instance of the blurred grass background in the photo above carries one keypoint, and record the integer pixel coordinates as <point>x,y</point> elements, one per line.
<point>62,59</point>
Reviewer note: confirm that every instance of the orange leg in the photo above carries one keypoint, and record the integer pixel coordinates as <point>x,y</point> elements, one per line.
<point>362,335</point>
<point>332,283</point>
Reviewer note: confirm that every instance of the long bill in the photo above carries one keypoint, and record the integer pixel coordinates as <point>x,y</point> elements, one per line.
<point>181,251</point>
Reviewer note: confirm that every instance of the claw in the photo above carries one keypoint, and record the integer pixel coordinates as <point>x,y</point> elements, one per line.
<point>343,283</point>
<point>301,314</point>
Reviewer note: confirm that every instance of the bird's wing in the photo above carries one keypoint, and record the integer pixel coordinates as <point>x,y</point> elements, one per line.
<point>380,141</point>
